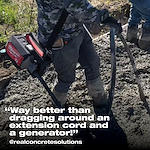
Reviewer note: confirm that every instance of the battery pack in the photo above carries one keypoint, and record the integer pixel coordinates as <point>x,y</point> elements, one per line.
<point>21,46</point>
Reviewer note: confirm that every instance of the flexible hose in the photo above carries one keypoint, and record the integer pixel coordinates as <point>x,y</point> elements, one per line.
<point>113,68</point>
<point>142,96</point>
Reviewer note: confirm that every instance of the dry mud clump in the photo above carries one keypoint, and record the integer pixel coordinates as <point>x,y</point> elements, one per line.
<point>130,122</point>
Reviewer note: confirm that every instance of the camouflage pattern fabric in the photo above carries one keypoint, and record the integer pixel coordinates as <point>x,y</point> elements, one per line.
<point>80,11</point>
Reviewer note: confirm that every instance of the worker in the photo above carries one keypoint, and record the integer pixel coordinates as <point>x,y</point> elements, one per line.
<point>140,9</point>
<point>74,45</point>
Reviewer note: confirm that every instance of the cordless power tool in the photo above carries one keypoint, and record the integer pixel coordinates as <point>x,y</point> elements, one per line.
<point>27,53</point>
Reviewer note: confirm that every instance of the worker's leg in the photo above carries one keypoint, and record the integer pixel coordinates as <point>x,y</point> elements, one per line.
<point>90,61</point>
<point>65,61</point>
<point>133,22</point>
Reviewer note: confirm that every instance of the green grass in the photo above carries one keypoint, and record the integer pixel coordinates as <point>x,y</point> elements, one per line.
<point>16,17</point>
<point>8,12</point>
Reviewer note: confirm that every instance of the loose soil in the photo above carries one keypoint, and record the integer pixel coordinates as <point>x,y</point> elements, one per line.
<point>129,126</point>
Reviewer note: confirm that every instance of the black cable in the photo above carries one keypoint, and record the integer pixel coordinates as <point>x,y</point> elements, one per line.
<point>113,68</point>
<point>142,96</point>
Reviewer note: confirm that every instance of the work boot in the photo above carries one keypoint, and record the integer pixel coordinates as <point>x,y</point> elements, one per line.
<point>132,34</point>
<point>61,97</point>
<point>96,91</point>
<point>144,39</point>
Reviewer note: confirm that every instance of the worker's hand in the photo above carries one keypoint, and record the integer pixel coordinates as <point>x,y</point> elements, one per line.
<point>112,22</point>
<point>104,14</point>
<point>29,64</point>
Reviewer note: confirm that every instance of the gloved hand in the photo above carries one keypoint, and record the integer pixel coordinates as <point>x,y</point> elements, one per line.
<point>112,22</point>
<point>29,64</point>
<point>104,14</point>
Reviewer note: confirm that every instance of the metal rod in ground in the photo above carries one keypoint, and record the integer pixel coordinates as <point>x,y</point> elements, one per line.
<point>142,96</point>
<point>113,68</point>
<point>54,99</point>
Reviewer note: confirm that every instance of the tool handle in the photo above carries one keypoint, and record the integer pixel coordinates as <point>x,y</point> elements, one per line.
<point>54,99</point>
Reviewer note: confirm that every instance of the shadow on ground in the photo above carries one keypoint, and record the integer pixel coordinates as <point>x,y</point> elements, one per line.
<point>114,137</point>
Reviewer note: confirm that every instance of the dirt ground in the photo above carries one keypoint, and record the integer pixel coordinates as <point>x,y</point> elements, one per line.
<point>129,126</point>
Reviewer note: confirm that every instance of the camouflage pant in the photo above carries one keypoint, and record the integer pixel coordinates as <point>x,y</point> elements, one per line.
<point>79,49</point>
